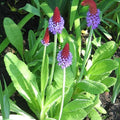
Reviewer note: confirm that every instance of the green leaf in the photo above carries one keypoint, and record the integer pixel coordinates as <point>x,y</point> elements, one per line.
<point>11,89</point>
<point>16,109</point>
<point>73,12</point>
<point>101,68</point>
<point>31,39</point>
<point>24,81</point>
<point>92,87</point>
<point>109,81</point>
<point>97,41</point>
<point>44,73</point>
<point>74,115</point>
<point>14,34</point>
<point>49,91</point>
<point>58,76</point>
<point>48,11</point>
<point>116,89</point>
<point>96,101</point>
<point>82,13</point>
<point>39,53</point>
<point>106,51</point>
<point>77,104</point>
<point>112,21</point>
<point>37,4</point>
<point>52,99</point>
<point>117,0</point>
<point>105,32</point>
<point>94,115</point>
<point>104,5</point>
<point>77,26</point>
<point>4,44</point>
<point>19,117</point>
<point>4,101</point>
<point>101,109</point>
<point>50,119</point>
<point>31,9</point>
<point>1,93</point>
<point>68,96</point>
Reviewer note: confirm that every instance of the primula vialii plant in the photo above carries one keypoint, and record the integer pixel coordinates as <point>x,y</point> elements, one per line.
<point>56,22</point>
<point>56,25</point>
<point>64,59</point>
<point>57,80</point>
<point>92,18</point>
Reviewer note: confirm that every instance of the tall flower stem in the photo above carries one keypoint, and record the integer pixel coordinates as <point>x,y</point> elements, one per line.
<point>87,51</point>
<point>42,88</point>
<point>54,58</point>
<point>63,93</point>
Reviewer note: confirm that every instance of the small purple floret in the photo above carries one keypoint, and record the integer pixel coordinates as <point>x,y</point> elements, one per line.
<point>64,62</point>
<point>93,19</point>
<point>56,27</point>
<point>45,44</point>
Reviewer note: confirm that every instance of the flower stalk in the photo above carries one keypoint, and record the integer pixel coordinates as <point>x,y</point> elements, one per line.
<point>42,89</point>
<point>63,93</point>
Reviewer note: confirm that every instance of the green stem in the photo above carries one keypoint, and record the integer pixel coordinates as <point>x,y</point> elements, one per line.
<point>42,88</point>
<point>54,58</point>
<point>86,54</point>
<point>63,93</point>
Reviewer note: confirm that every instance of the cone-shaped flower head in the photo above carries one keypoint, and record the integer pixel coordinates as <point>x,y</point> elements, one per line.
<point>93,18</point>
<point>45,40</point>
<point>56,22</point>
<point>64,57</point>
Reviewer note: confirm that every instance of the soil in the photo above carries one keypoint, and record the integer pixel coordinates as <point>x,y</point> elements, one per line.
<point>113,110</point>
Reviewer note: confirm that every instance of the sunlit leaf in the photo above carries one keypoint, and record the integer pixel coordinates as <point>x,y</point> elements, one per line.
<point>94,115</point>
<point>79,114</point>
<point>23,80</point>
<point>92,87</point>
<point>105,51</point>
<point>109,81</point>
<point>77,104</point>
<point>101,68</point>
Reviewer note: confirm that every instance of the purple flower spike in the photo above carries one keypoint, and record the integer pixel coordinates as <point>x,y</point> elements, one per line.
<point>56,22</point>
<point>93,19</point>
<point>64,57</point>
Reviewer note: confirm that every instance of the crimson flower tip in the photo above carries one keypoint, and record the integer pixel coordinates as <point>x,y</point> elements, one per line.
<point>92,5</point>
<point>56,22</point>
<point>45,40</point>
<point>56,15</point>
